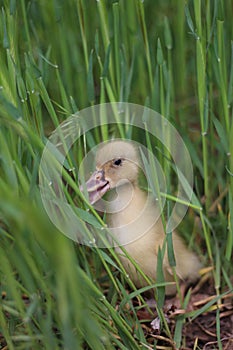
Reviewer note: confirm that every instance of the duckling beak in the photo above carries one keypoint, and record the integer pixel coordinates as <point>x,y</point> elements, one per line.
<point>97,186</point>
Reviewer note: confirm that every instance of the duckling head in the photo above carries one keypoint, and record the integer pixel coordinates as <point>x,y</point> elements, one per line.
<point>117,163</point>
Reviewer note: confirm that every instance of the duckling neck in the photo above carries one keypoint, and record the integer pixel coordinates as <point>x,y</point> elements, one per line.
<point>132,214</point>
<point>126,202</point>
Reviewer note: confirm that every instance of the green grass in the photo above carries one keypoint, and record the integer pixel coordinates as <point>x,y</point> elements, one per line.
<point>57,57</point>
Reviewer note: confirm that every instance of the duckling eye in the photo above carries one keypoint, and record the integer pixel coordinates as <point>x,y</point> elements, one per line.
<point>117,162</point>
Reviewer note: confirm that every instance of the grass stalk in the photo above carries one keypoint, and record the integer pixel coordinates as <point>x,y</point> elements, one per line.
<point>201,87</point>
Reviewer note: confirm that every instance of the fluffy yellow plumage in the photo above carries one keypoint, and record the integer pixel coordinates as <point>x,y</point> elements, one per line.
<point>133,217</point>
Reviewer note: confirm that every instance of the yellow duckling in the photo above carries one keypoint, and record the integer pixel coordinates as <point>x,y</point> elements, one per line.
<point>133,216</point>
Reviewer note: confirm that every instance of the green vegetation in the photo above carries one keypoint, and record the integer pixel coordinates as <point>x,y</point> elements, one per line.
<point>57,57</point>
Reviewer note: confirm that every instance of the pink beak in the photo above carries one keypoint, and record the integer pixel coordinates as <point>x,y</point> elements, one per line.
<point>97,186</point>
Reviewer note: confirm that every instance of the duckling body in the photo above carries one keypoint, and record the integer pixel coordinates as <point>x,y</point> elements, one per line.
<point>134,219</point>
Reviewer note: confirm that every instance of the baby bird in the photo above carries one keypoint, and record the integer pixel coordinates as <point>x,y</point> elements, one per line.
<point>134,218</point>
